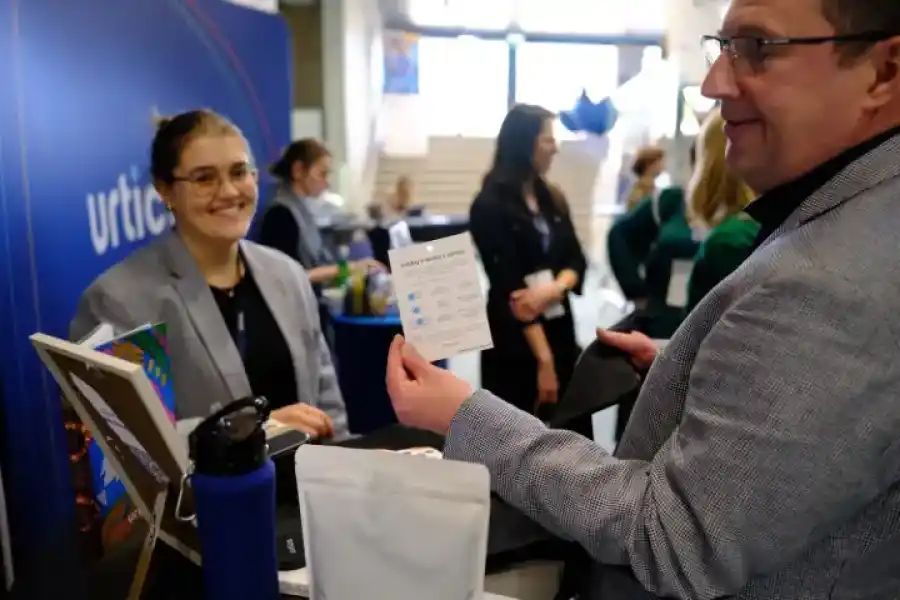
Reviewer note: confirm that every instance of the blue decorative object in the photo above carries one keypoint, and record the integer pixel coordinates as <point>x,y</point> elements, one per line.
<point>597,118</point>
<point>570,121</point>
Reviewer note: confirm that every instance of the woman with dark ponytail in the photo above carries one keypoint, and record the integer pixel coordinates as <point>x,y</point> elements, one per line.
<point>289,224</point>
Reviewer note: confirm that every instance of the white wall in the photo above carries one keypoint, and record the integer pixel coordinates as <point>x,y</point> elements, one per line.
<point>353,75</point>
<point>307,123</point>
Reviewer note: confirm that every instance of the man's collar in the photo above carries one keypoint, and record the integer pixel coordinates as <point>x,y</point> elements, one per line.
<point>773,208</point>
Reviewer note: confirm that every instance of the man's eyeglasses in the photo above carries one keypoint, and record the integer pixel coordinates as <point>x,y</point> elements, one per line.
<point>753,51</point>
<point>206,182</point>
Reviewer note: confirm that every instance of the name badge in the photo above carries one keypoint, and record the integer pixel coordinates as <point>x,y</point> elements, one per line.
<point>555,310</point>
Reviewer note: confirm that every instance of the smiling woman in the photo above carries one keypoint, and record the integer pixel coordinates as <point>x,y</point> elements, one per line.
<point>210,158</point>
<point>242,319</point>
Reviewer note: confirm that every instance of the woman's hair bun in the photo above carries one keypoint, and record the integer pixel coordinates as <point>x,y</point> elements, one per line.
<point>160,121</point>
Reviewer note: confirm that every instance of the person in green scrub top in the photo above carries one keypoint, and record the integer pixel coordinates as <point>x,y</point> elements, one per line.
<point>647,166</point>
<point>634,234</point>
<point>641,246</point>
<point>717,202</point>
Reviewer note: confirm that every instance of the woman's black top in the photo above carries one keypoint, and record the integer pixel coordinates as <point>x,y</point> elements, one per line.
<point>514,243</point>
<point>267,360</point>
<point>264,350</point>
<point>278,229</point>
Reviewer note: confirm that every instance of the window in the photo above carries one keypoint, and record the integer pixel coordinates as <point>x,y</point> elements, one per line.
<point>484,15</point>
<point>648,102</point>
<point>463,85</point>
<point>695,110</point>
<point>553,75</point>
<point>591,17</point>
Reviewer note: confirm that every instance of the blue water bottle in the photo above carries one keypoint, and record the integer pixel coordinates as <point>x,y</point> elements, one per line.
<point>233,482</point>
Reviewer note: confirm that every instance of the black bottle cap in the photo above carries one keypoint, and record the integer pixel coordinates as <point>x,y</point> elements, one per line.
<point>232,441</point>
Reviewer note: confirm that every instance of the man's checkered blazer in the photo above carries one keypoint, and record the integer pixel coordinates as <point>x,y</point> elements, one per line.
<point>763,457</point>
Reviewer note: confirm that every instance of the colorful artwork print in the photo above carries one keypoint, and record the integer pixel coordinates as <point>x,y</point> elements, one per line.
<point>147,347</point>
<point>401,63</point>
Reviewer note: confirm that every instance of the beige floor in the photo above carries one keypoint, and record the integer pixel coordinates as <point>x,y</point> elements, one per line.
<point>601,305</point>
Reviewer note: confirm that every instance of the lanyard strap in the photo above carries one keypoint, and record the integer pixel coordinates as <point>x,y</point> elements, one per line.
<point>241,335</point>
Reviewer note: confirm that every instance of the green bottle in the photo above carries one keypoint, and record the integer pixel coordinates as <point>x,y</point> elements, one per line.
<point>343,276</point>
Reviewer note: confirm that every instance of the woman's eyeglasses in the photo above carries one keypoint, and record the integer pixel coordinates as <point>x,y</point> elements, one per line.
<point>208,181</point>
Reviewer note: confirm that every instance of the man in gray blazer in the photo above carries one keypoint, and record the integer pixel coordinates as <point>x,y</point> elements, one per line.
<point>762,459</point>
<point>162,283</point>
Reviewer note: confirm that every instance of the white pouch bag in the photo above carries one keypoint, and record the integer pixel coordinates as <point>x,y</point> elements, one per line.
<point>391,526</point>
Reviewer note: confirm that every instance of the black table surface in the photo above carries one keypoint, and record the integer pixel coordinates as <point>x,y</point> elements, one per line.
<point>395,437</point>
<point>172,577</point>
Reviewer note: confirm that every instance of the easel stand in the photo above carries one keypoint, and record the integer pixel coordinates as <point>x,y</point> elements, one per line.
<point>117,402</point>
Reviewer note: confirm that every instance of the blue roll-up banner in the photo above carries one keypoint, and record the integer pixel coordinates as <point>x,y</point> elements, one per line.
<point>81,82</point>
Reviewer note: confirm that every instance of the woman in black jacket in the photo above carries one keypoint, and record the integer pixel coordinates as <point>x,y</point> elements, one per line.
<point>533,259</point>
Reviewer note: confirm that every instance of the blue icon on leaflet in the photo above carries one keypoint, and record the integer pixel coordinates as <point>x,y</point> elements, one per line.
<point>420,321</point>
<point>412,296</point>
<point>417,310</point>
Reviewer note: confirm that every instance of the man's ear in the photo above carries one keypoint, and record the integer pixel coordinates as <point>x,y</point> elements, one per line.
<point>885,59</point>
